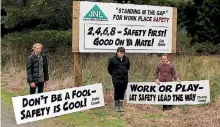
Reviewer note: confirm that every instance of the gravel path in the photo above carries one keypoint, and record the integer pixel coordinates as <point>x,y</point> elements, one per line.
<point>8,119</point>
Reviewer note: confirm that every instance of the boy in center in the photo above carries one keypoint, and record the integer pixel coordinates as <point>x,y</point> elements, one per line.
<point>118,67</point>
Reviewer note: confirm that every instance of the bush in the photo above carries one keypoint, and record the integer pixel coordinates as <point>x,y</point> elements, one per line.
<point>205,48</point>
<point>218,49</point>
<point>16,46</point>
<point>48,37</point>
<point>183,42</point>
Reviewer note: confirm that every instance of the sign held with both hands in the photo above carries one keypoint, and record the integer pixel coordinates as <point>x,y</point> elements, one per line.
<point>169,93</point>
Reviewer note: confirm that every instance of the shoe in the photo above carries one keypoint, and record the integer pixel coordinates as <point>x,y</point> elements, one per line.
<point>117,103</point>
<point>121,105</point>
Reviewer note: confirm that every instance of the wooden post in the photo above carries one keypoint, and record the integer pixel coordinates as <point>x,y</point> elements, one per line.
<point>174,34</point>
<point>174,30</point>
<point>77,69</point>
<point>75,45</point>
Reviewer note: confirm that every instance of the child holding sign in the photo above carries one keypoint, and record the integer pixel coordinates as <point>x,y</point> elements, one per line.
<point>165,72</point>
<point>37,69</point>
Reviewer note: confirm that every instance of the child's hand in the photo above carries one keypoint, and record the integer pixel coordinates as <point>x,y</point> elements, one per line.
<point>46,84</point>
<point>157,81</point>
<point>32,85</point>
<point>178,80</point>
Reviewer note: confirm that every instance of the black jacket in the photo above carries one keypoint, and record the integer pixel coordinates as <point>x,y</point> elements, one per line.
<point>32,67</point>
<point>119,69</point>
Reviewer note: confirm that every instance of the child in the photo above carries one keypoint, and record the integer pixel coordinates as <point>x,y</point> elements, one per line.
<point>165,72</point>
<point>37,69</point>
<point>118,67</point>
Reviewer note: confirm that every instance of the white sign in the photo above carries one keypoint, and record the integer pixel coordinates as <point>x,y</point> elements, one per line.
<point>50,104</point>
<point>169,93</point>
<point>138,28</point>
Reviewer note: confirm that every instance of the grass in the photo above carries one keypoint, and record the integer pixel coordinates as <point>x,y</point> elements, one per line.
<point>6,97</point>
<point>154,116</point>
<point>100,117</point>
<point>215,89</point>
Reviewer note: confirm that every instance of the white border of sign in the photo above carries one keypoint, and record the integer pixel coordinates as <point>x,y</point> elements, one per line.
<point>82,42</point>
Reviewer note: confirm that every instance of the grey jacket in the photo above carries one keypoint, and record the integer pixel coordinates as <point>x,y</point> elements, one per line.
<point>32,67</point>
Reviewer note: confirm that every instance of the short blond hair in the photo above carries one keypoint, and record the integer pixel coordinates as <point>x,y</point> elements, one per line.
<point>37,44</point>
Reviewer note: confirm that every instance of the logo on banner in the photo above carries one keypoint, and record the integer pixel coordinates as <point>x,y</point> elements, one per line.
<point>161,43</point>
<point>95,14</point>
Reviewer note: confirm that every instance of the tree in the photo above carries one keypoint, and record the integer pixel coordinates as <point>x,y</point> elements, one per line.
<point>204,24</point>
<point>40,14</point>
